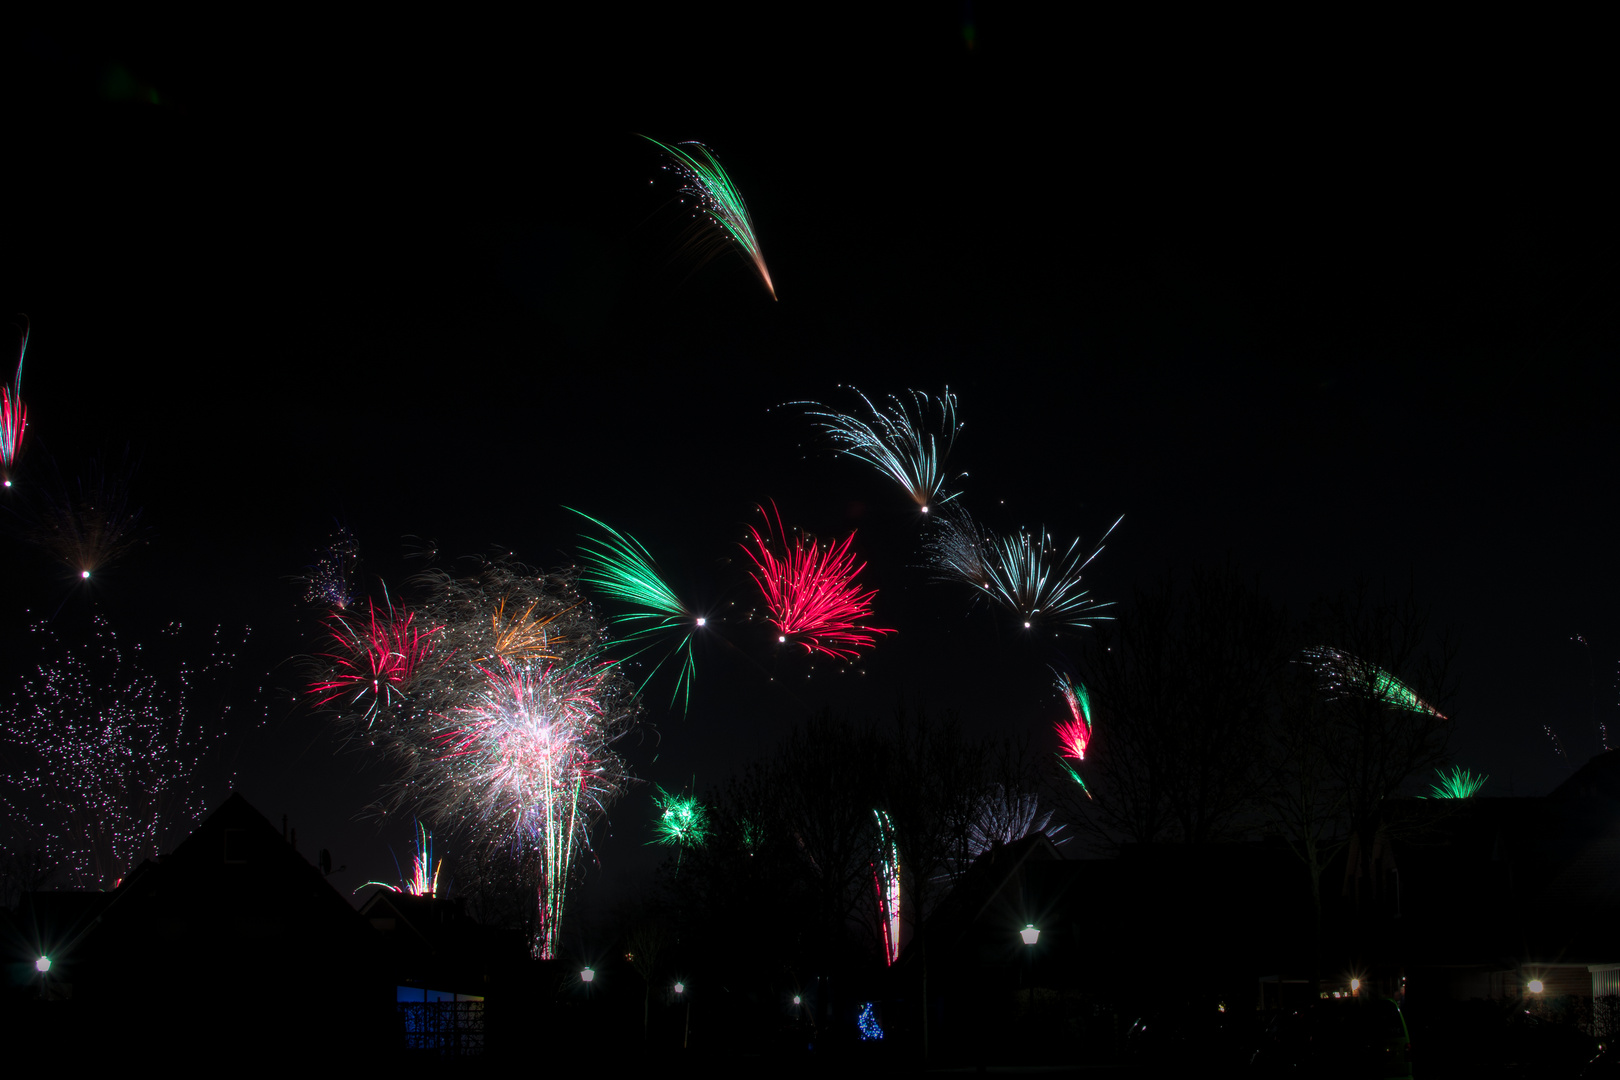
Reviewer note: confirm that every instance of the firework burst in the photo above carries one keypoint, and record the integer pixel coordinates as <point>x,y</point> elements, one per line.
<point>104,757</point>
<point>330,582</point>
<point>1344,675</point>
<point>1074,734</point>
<point>424,879</point>
<point>718,200</point>
<point>1025,573</point>
<point>810,592</point>
<point>89,526</point>
<point>504,726</point>
<point>374,662</point>
<point>1459,783</point>
<point>682,820</point>
<point>621,568</point>
<point>899,441</point>
<point>13,416</point>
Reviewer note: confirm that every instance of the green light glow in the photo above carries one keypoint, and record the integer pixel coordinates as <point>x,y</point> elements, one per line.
<point>718,198</point>
<point>1459,783</point>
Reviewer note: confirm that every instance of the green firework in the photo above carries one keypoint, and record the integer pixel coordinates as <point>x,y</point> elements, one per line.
<point>718,198</point>
<point>621,568</point>
<point>682,821</point>
<point>1459,783</point>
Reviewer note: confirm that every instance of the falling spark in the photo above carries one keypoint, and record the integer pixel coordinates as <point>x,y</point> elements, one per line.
<point>810,592</point>
<point>899,441</point>
<point>718,199</point>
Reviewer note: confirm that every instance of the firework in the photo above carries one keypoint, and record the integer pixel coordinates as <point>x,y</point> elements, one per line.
<point>1025,574</point>
<point>1005,817</point>
<point>424,879</point>
<point>13,416</point>
<point>719,201</point>
<point>88,526</point>
<point>1074,734</point>
<point>682,821</point>
<point>374,662</point>
<point>957,548</point>
<point>1345,675</point>
<point>622,568</point>
<point>503,728</point>
<point>330,582</point>
<point>886,880</point>
<point>1459,783</point>
<point>899,441</point>
<point>810,592</point>
<point>527,757</point>
<point>105,748</point>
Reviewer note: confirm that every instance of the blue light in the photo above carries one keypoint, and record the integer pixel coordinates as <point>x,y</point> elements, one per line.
<point>870,1028</point>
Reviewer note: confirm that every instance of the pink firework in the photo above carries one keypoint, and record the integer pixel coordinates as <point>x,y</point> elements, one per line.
<point>1075,734</point>
<point>13,417</point>
<point>378,657</point>
<point>811,592</point>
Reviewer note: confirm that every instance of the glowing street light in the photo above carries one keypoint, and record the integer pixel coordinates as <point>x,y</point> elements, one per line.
<point>1030,934</point>
<point>1355,986</point>
<point>680,988</point>
<point>586,975</point>
<point>1535,986</point>
<point>42,965</point>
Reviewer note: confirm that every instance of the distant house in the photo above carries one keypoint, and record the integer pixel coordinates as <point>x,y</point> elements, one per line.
<point>233,947</point>
<point>1494,897</point>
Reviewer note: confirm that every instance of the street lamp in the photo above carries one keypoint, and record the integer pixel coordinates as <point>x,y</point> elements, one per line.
<point>586,975</point>
<point>680,988</point>
<point>1355,986</point>
<point>42,965</point>
<point>1030,934</point>
<point>1535,986</point>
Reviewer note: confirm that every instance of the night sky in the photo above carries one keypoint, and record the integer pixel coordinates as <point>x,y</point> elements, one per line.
<point>1342,312</point>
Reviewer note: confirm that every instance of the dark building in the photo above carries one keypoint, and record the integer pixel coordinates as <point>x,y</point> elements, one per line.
<point>233,948</point>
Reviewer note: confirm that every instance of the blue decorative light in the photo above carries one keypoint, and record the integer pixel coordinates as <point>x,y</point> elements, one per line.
<point>870,1028</point>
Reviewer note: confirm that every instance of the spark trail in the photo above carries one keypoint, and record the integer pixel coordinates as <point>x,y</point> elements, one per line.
<point>810,592</point>
<point>717,198</point>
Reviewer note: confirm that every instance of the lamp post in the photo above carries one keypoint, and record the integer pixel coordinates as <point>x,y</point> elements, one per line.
<point>686,1026</point>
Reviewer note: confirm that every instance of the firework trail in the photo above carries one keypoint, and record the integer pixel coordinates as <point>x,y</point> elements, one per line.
<point>13,416</point>
<point>1558,747</point>
<point>1345,675</point>
<point>374,662</point>
<point>810,592</point>
<point>1023,573</point>
<point>330,582</point>
<point>1459,783</point>
<point>503,728</point>
<point>898,441</point>
<point>886,880</point>
<point>620,567</point>
<point>424,879</point>
<point>717,198</point>
<point>103,757</point>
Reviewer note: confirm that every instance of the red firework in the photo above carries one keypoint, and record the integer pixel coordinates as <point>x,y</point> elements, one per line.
<point>811,592</point>
<point>1075,735</point>
<point>378,657</point>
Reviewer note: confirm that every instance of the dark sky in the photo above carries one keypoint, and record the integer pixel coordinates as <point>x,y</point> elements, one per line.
<point>1336,304</point>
